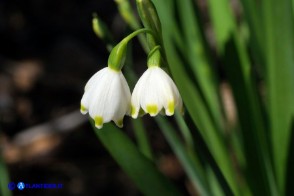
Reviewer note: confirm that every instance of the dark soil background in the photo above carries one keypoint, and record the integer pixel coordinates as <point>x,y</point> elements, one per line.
<point>48,51</point>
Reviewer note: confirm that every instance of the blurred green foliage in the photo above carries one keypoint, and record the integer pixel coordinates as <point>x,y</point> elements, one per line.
<point>256,54</point>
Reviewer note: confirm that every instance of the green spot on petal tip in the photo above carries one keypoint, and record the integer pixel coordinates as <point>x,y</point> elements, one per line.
<point>152,109</point>
<point>83,109</point>
<point>133,111</point>
<point>98,122</point>
<point>119,123</point>
<point>171,108</point>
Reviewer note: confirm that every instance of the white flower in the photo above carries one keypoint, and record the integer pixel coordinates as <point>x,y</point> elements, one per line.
<point>107,97</point>
<point>155,90</point>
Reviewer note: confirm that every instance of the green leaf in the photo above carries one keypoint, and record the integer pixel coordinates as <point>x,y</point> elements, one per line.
<point>186,133</point>
<point>279,50</point>
<point>127,13</point>
<point>142,138</point>
<point>248,101</point>
<point>192,98</point>
<point>139,168</point>
<point>4,179</point>
<point>290,165</point>
<point>198,59</point>
<point>253,16</point>
<point>189,162</point>
<point>214,184</point>
<point>222,20</point>
<point>258,169</point>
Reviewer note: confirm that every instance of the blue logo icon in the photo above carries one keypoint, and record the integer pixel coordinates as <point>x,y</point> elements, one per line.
<point>20,186</point>
<point>11,186</point>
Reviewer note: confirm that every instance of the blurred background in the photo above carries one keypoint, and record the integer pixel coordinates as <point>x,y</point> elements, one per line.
<point>236,137</point>
<point>48,51</point>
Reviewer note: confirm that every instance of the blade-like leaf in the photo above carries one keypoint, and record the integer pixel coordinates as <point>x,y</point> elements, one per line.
<point>4,179</point>
<point>279,50</point>
<point>142,138</point>
<point>198,59</point>
<point>186,132</point>
<point>222,21</point>
<point>139,168</point>
<point>192,166</point>
<point>290,165</point>
<point>249,107</point>
<point>253,16</point>
<point>251,119</point>
<point>192,98</point>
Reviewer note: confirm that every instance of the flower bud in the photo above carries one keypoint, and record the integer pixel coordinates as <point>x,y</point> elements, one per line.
<point>126,12</point>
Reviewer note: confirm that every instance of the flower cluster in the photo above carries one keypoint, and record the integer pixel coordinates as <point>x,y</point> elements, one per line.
<point>107,95</point>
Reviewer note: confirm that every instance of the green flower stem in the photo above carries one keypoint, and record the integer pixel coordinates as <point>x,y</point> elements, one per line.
<point>149,15</point>
<point>117,56</point>
<point>127,13</point>
<point>150,19</point>
<point>135,33</point>
<point>154,57</point>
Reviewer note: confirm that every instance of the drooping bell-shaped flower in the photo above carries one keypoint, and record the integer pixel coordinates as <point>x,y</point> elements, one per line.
<point>155,90</point>
<point>106,97</point>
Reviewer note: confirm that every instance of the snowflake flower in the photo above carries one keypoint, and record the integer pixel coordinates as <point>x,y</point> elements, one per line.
<point>154,91</point>
<point>107,97</point>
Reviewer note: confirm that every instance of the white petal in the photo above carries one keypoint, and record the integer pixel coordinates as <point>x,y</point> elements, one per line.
<point>135,101</point>
<point>121,110</point>
<point>177,97</point>
<point>97,94</point>
<point>137,92</point>
<point>94,78</point>
<point>155,90</point>
<point>92,83</point>
<point>103,101</point>
<point>107,97</point>
<point>126,93</point>
<point>178,104</point>
<point>150,102</point>
<point>85,103</point>
<point>118,100</point>
<point>165,89</point>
